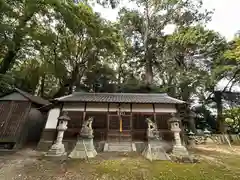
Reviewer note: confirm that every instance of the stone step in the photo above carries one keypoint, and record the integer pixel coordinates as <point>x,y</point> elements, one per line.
<point>119,147</point>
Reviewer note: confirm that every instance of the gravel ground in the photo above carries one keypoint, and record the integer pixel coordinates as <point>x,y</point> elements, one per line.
<point>29,164</point>
<point>11,165</point>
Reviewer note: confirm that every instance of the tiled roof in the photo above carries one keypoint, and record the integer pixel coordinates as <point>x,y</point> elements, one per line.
<point>28,96</point>
<point>36,99</point>
<point>120,98</point>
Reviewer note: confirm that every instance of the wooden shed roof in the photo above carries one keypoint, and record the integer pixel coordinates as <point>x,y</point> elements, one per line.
<point>162,98</point>
<point>28,96</point>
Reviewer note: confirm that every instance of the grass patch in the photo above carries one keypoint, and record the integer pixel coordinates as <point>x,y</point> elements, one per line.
<point>215,166</point>
<point>143,169</point>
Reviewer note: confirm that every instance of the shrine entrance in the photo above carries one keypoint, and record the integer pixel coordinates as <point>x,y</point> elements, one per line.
<point>119,128</point>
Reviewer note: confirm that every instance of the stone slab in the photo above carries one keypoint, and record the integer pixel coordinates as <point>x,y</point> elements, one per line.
<point>120,147</point>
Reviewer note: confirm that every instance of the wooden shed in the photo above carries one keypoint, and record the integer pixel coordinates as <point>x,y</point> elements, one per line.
<point>20,118</point>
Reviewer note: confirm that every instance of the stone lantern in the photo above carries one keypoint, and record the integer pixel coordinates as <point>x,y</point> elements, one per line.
<point>191,139</point>
<point>192,117</point>
<point>58,149</point>
<point>207,134</point>
<point>178,148</point>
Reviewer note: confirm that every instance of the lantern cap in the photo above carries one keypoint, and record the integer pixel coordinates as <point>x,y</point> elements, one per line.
<point>191,133</point>
<point>206,131</point>
<point>64,117</point>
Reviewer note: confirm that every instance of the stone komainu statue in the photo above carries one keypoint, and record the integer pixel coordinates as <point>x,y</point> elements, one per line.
<point>87,130</point>
<point>152,129</point>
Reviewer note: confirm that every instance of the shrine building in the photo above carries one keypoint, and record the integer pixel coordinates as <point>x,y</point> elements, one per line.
<point>118,117</point>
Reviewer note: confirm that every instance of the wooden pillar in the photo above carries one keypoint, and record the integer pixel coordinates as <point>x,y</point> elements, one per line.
<point>84,112</point>
<point>131,123</point>
<point>120,124</point>
<point>107,119</point>
<point>107,130</point>
<point>154,113</point>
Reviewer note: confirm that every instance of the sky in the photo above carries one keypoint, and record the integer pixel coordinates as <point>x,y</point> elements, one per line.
<point>225,20</point>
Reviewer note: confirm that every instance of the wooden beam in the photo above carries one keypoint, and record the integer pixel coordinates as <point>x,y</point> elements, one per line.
<point>84,113</point>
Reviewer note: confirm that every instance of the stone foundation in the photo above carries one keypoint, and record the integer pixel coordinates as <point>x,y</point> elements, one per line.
<point>47,140</point>
<point>44,145</point>
<point>57,150</point>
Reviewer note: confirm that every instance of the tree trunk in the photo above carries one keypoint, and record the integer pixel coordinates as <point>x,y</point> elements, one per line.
<point>38,86</point>
<point>67,85</point>
<point>74,77</point>
<point>8,60</point>
<point>147,57</point>
<point>18,36</point>
<point>149,71</point>
<point>220,121</point>
<point>42,86</point>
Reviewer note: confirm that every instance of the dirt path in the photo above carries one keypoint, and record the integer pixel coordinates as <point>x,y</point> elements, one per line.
<point>12,164</point>
<point>221,155</point>
<point>235,150</point>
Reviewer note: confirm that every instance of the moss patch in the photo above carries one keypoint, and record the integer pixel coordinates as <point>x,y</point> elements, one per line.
<point>142,169</point>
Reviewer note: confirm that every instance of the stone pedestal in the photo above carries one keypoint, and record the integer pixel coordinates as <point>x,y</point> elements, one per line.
<point>83,149</point>
<point>155,151</point>
<point>56,150</point>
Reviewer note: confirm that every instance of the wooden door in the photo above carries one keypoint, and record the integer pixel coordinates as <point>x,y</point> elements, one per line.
<point>119,128</point>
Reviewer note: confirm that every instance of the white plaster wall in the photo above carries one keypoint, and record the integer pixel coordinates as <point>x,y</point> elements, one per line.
<point>97,107</point>
<point>113,107</point>
<point>52,118</point>
<point>74,107</point>
<point>165,108</point>
<point>142,108</point>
